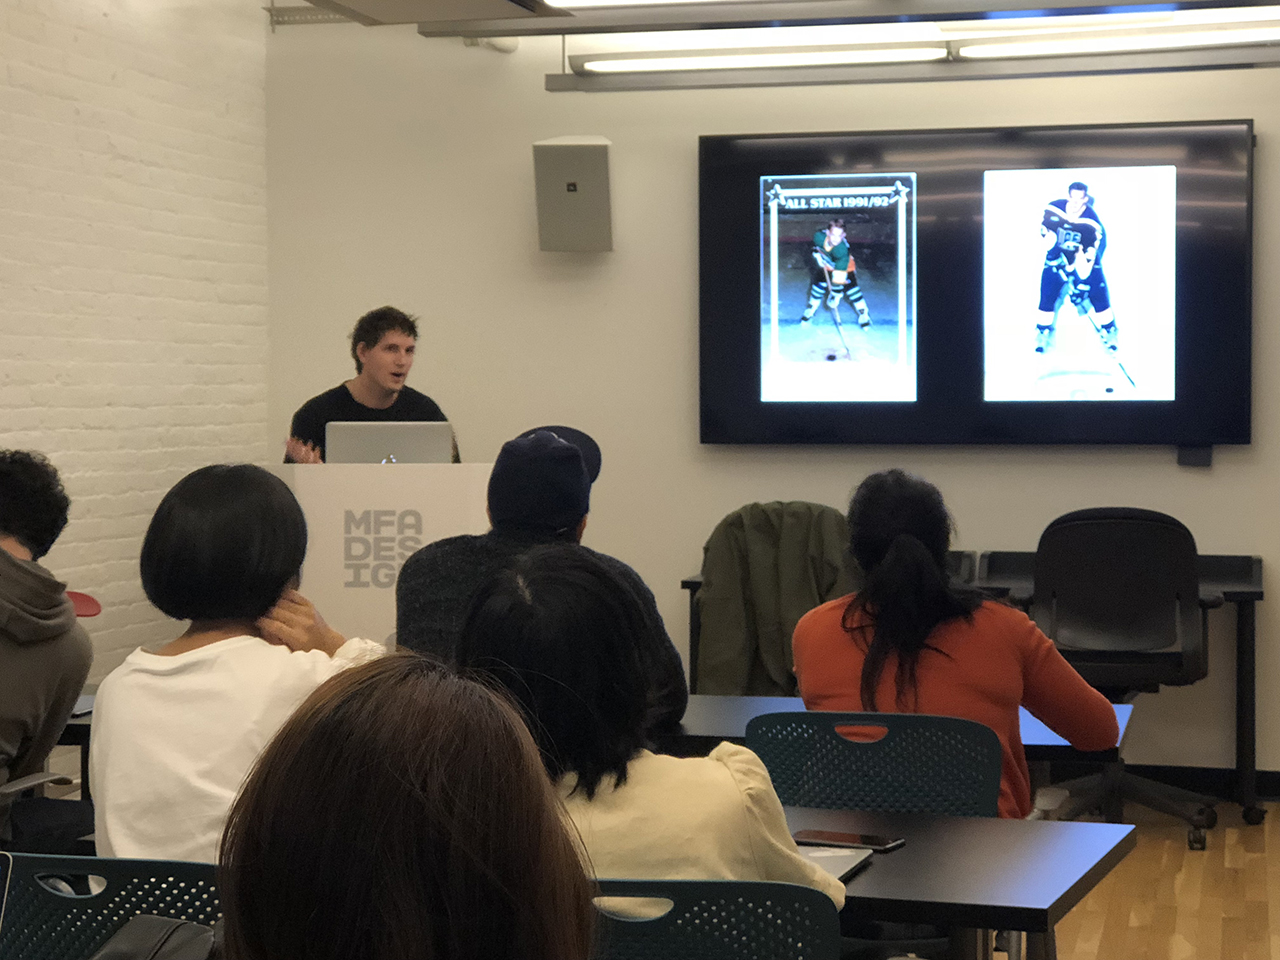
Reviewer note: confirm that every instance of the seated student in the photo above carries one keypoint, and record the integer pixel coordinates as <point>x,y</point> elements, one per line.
<point>912,642</point>
<point>539,492</point>
<point>559,631</point>
<point>402,813</point>
<point>176,727</point>
<point>44,653</point>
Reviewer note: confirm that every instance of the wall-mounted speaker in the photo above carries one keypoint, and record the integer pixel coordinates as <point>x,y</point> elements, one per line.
<point>571,175</point>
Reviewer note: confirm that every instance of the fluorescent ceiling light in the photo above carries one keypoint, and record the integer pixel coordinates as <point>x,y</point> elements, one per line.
<point>1128,42</point>
<point>712,60</point>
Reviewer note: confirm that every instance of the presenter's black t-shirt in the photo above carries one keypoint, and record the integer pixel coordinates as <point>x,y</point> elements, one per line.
<point>338,404</point>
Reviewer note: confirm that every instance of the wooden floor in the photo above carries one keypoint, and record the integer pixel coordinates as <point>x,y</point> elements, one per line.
<point>1165,902</point>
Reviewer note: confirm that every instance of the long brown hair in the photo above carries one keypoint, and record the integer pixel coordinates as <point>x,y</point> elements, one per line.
<point>402,813</point>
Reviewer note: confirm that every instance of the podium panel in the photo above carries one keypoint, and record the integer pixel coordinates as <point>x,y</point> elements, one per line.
<point>364,521</point>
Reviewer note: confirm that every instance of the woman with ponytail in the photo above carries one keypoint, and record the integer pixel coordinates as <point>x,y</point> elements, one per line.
<point>910,641</point>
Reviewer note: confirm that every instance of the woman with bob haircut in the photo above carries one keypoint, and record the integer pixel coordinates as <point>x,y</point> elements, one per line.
<point>910,641</point>
<point>402,813</point>
<point>561,633</point>
<point>176,727</point>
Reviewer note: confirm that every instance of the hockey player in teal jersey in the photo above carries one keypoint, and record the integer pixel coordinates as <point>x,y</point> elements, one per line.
<point>833,274</point>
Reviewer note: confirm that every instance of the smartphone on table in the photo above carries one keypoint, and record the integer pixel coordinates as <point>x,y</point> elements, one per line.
<point>857,841</point>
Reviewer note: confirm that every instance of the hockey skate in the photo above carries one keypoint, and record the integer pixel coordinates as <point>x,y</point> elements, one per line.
<point>1044,338</point>
<point>864,316</point>
<point>1110,336</point>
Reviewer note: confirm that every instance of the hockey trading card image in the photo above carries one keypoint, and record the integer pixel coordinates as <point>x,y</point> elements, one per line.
<point>838,288</point>
<point>1079,283</point>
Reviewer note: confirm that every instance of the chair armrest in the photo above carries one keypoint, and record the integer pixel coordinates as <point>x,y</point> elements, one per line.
<point>12,788</point>
<point>1209,601</point>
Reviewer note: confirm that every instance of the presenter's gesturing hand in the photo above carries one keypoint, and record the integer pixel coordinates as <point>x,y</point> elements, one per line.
<point>294,622</point>
<point>299,451</point>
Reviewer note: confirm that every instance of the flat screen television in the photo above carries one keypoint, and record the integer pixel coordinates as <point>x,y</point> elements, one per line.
<point>1041,285</point>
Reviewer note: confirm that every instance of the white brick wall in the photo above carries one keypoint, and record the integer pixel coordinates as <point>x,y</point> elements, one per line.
<point>133,262</point>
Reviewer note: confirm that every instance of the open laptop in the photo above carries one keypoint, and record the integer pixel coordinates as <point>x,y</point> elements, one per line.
<point>841,862</point>
<point>392,442</point>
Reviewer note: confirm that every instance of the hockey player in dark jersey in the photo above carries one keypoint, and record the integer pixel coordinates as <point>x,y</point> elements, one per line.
<point>833,274</point>
<point>1076,240</point>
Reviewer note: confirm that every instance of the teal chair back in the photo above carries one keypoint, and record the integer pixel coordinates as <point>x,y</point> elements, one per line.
<point>921,764</point>
<point>54,911</point>
<point>719,920</point>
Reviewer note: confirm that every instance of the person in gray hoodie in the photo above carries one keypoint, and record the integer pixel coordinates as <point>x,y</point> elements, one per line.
<point>44,654</point>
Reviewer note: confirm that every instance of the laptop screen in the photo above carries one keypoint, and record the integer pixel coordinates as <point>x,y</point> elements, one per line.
<point>397,442</point>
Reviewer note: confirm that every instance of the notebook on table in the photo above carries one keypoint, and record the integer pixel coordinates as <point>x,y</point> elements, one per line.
<point>841,862</point>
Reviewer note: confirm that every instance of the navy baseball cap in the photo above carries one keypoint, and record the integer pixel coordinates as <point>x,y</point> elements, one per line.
<point>540,482</point>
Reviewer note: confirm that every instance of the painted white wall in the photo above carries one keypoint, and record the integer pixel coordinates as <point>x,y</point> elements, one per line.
<point>400,171</point>
<point>133,267</point>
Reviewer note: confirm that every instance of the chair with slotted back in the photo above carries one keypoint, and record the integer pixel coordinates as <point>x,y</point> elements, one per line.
<point>1117,591</point>
<point>65,908</point>
<point>717,920</point>
<point>898,762</point>
<point>888,762</point>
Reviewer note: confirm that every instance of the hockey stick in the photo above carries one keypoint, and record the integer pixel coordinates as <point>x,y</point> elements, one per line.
<point>835,312</point>
<point>1089,315</point>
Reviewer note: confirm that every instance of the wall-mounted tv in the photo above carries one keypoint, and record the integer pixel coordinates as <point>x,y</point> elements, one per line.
<point>1023,285</point>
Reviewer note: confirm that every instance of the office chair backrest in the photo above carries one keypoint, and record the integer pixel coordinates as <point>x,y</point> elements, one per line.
<point>54,912</point>
<point>921,763</point>
<point>718,920</point>
<point>1117,579</point>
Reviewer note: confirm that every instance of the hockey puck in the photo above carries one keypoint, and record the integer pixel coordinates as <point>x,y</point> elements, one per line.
<point>1111,389</point>
<point>831,356</point>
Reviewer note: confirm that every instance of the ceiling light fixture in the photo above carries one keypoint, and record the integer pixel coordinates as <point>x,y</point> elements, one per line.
<point>751,59</point>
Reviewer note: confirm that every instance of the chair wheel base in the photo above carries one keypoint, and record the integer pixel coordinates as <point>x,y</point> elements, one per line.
<point>1254,815</point>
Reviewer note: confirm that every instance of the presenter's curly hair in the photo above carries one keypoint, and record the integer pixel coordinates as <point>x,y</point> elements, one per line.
<point>33,504</point>
<point>402,813</point>
<point>376,324</point>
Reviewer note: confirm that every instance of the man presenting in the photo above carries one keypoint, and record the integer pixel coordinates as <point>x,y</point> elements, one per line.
<point>382,345</point>
<point>539,492</point>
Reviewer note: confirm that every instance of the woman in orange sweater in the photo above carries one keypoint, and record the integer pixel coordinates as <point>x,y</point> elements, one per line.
<point>912,642</point>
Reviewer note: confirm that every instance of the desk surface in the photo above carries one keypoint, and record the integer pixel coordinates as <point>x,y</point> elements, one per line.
<point>1234,578</point>
<point>725,718</point>
<point>973,871</point>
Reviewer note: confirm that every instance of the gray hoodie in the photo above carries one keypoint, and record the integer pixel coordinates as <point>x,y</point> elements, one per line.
<point>44,659</point>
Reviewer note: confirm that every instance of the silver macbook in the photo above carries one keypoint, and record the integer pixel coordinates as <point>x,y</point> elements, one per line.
<point>394,442</point>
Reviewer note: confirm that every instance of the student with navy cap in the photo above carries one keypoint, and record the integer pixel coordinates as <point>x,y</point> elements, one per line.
<point>539,493</point>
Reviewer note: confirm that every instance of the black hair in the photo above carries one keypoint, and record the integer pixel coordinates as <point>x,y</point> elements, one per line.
<point>33,504</point>
<point>561,633</point>
<point>376,324</point>
<point>1078,186</point>
<point>899,532</point>
<point>224,543</point>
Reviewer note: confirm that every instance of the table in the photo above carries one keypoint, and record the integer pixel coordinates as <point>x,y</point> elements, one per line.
<point>1238,581</point>
<point>710,719</point>
<point>976,872</point>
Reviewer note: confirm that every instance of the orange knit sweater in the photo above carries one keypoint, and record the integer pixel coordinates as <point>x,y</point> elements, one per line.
<point>985,670</point>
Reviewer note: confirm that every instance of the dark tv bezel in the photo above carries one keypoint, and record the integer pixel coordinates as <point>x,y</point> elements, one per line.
<point>1213,389</point>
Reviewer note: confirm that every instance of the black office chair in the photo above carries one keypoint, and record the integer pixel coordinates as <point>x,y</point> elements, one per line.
<point>717,920</point>
<point>65,908</point>
<point>1116,589</point>
<point>921,764</point>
